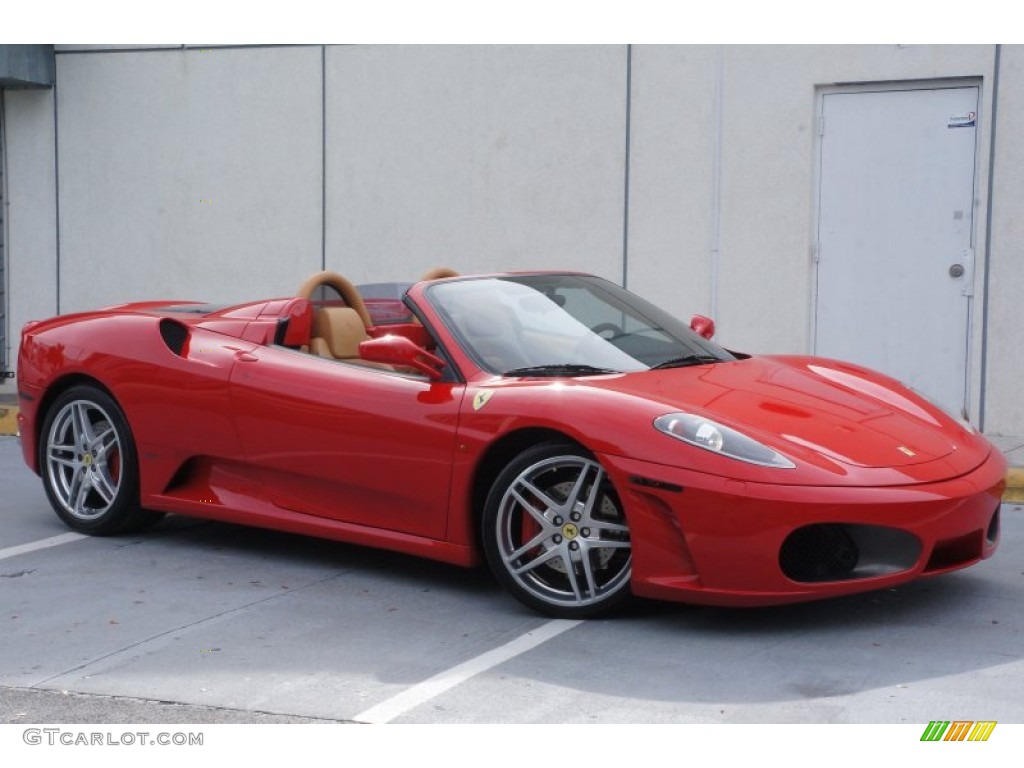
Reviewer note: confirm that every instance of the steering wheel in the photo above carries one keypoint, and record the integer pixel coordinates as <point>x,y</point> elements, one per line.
<point>345,287</point>
<point>602,328</point>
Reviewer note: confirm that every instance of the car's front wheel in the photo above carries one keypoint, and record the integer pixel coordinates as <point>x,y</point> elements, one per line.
<point>89,465</point>
<point>555,535</point>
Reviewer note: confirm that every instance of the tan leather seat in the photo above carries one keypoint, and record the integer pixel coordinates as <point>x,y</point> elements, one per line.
<point>343,286</point>
<point>337,333</point>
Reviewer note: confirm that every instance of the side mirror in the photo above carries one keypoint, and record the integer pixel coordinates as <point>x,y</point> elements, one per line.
<point>702,326</point>
<point>398,350</point>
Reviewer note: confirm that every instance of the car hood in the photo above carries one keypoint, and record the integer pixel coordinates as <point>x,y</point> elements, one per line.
<point>808,406</point>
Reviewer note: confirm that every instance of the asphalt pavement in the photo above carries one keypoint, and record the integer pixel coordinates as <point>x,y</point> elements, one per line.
<point>204,622</point>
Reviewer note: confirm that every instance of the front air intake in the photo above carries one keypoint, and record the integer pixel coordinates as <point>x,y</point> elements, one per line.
<point>845,551</point>
<point>819,553</point>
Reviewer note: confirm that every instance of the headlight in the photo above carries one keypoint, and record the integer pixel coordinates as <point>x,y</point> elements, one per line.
<point>711,436</point>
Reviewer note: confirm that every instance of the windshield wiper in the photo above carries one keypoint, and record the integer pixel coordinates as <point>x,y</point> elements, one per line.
<point>558,369</point>
<point>685,360</point>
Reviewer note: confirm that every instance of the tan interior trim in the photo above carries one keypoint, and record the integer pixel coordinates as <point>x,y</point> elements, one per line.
<point>439,272</point>
<point>342,285</point>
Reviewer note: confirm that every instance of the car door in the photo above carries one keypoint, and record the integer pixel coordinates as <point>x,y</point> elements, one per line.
<point>348,442</point>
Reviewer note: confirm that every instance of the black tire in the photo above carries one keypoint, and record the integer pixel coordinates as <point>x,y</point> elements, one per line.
<point>89,464</point>
<point>555,535</point>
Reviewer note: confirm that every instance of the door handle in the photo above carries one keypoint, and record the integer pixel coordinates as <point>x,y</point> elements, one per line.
<point>957,270</point>
<point>246,357</point>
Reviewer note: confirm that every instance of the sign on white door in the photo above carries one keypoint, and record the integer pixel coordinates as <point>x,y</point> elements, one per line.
<point>895,259</point>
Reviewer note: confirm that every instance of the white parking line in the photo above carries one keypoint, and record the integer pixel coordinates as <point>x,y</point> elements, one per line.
<point>32,546</point>
<point>398,705</point>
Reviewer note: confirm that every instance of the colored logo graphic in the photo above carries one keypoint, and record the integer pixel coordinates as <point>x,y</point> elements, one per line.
<point>958,730</point>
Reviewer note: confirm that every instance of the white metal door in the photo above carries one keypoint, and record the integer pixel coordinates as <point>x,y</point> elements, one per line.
<point>895,264</point>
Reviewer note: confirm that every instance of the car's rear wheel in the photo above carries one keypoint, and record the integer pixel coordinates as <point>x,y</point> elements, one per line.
<point>555,535</point>
<point>89,464</point>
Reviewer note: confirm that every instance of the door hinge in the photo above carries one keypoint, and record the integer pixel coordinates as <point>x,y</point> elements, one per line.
<point>821,125</point>
<point>815,253</point>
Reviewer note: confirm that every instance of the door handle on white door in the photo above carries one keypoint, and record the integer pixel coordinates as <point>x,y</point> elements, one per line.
<point>957,270</point>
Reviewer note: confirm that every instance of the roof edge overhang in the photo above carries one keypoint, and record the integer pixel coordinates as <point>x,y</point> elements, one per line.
<point>27,66</point>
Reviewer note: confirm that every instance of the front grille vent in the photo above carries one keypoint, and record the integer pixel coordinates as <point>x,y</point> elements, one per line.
<point>843,551</point>
<point>819,553</point>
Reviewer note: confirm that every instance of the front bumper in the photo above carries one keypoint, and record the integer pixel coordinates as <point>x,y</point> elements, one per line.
<point>707,539</point>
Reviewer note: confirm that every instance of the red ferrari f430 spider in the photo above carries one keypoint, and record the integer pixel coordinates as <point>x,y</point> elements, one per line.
<point>584,443</point>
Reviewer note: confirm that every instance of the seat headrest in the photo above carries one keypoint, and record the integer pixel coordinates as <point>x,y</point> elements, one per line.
<point>341,328</point>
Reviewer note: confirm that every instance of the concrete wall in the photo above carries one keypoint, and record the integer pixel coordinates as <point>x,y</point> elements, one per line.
<point>479,158</point>
<point>768,164</point>
<point>672,173</point>
<point>734,129</point>
<point>228,173</point>
<point>1004,392</point>
<point>188,173</point>
<point>31,216</point>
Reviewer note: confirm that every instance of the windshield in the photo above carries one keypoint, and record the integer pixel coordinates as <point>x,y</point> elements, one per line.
<point>565,325</point>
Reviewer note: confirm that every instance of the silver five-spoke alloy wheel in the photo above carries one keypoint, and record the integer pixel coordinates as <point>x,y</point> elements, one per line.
<point>88,463</point>
<point>555,534</point>
<point>83,459</point>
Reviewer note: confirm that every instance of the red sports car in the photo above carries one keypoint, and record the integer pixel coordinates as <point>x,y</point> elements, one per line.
<point>584,443</point>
